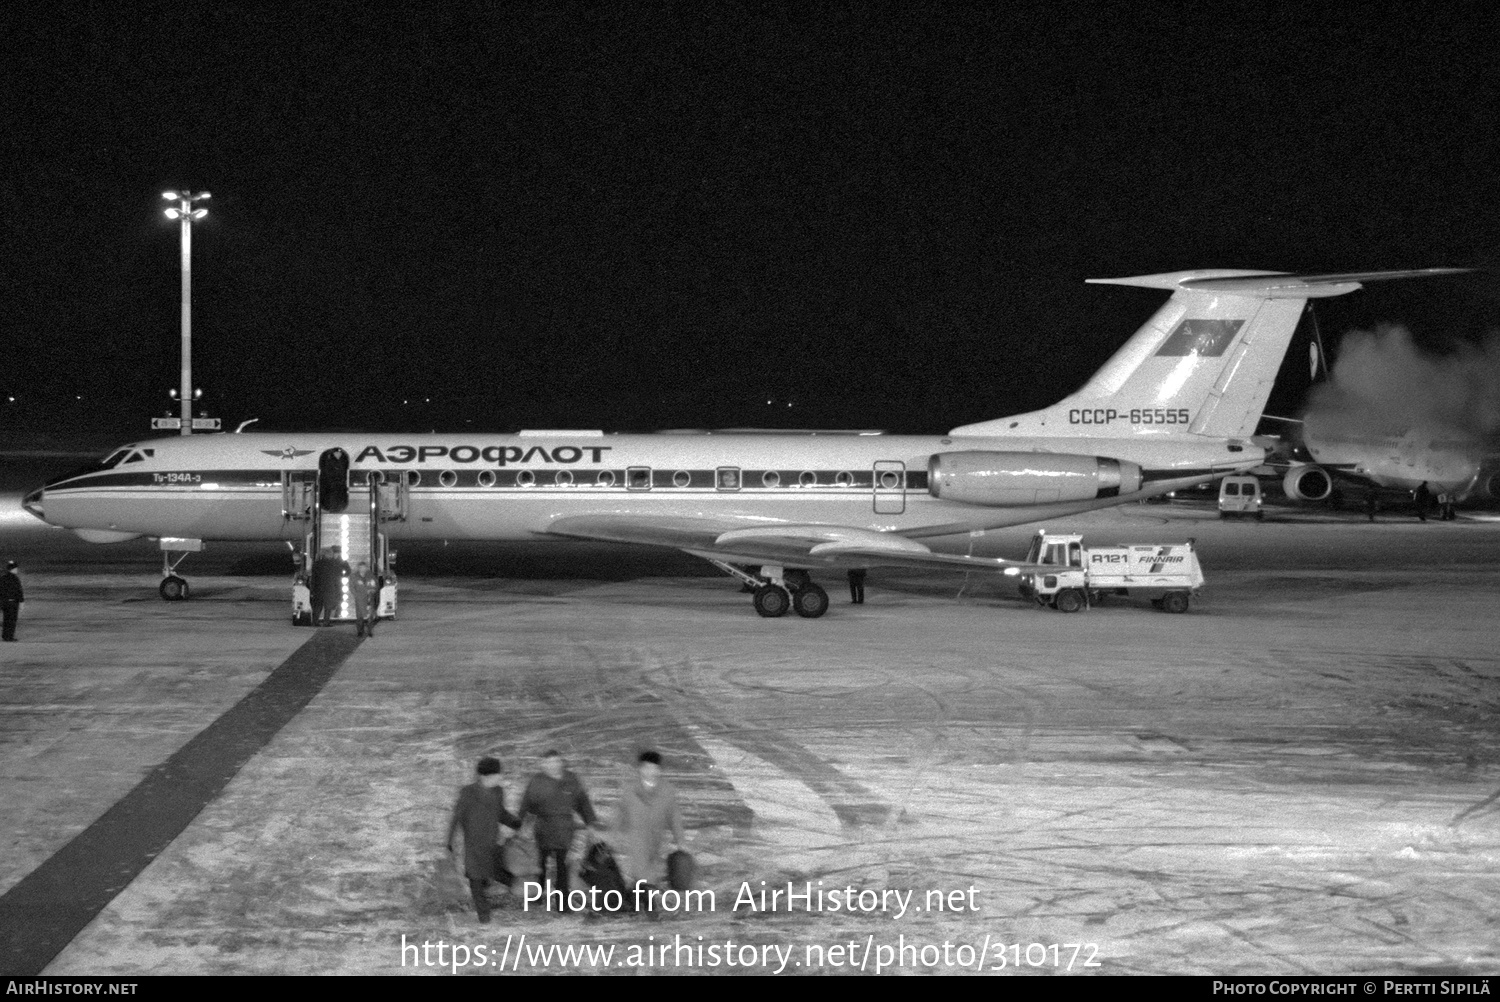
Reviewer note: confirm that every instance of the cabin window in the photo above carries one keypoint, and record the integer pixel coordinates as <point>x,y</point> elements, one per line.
<point>638,478</point>
<point>890,479</point>
<point>681,478</point>
<point>375,478</point>
<point>844,479</point>
<point>413,478</point>
<point>486,478</point>
<point>771,478</point>
<point>564,478</point>
<point>606,478</point>
<point>526,478</point>
<point>807,478</point>
<point>448,478</point>
<point>728,478</point>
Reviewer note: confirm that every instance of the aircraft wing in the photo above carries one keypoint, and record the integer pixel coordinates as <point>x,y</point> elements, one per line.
<point>790,545</point>
<point>837,546</point>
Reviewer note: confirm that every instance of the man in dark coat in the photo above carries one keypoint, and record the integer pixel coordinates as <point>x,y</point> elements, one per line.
<point>11,597</point>
<point>554,795</point>
<point>330,573</point>
<point>480,812</point>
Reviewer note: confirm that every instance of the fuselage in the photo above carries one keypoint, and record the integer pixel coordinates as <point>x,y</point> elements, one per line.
<point>511,487</point>
<point>1448,462</point>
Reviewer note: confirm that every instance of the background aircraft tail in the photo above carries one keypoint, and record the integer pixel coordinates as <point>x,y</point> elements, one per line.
<point>1203,364</point>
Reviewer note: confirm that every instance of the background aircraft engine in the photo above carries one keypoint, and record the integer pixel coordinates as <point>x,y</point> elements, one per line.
<point>1307,483</point>
<point>1488,488</point>
<point>1015,478</point>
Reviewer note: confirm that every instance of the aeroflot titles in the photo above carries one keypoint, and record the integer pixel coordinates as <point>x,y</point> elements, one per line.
<point>500,455</point>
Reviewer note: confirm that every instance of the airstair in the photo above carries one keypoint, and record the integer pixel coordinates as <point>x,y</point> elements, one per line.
<point>345,528</point>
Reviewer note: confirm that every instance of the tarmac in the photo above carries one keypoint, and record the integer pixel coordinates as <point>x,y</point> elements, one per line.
<point>1301,775</point>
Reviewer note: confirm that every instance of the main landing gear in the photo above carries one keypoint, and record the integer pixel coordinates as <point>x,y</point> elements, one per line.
<point>774,591</point>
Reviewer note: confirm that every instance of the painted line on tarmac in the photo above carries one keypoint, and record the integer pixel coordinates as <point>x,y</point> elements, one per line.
<point>42,914</point>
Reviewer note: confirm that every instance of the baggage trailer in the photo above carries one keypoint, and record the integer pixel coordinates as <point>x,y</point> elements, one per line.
<point>1168,575</point>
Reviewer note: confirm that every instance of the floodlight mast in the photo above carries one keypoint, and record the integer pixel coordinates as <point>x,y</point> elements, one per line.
<point>186,215</point>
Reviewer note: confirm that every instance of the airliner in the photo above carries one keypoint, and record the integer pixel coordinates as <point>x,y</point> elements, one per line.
<point>1175,406</point>
<point>1393,459</point>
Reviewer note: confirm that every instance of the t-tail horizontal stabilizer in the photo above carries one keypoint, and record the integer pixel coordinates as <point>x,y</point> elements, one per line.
<point>1203,365</point>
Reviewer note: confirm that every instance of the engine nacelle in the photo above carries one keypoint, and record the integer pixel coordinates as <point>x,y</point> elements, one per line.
<point>1017,478</point>
<point>1307,483</point>
<point>1488,487</point>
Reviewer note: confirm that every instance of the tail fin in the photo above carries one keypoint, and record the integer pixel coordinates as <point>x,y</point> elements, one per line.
<point>1202,365</point>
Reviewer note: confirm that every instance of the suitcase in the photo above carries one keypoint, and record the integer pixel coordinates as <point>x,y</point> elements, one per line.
<point>600,870</point>
<point>681,870</point>
<point>519,855</point>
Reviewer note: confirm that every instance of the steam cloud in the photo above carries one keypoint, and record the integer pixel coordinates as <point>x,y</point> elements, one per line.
<point>1383,383</point>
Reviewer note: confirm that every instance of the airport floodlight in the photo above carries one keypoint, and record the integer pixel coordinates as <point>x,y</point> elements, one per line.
<point>186,215</point>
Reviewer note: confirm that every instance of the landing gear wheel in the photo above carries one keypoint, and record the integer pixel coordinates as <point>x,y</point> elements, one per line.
<point>810,601</point>
<point>173,588</point>
<point>1069,600</point>
<point>1175,601</point>
<point>772,601</point>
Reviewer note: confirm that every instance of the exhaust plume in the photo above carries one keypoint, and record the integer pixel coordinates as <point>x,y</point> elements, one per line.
<point>1383,383</point>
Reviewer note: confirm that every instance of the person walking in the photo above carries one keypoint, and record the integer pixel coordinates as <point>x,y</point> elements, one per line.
<point>366,601</point>
<point>479,813</point>
<point>553,797</point>
<point>11,597</point>
<point>647,810</point>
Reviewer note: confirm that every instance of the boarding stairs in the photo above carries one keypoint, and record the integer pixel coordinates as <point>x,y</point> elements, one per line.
<point>345,528</point>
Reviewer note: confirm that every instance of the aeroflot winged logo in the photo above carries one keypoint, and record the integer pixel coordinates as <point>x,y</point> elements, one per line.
<point>1205,338</point>
<point>287,453</point>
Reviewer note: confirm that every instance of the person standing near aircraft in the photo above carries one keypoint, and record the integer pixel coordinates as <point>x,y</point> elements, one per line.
<point>648,807</point>
<point>330,571</point>
<point>553,796</point>
<point>857,586</point>
<point>1423,497</point>
<point>11,597</point>
<point>362,589</point>
<point>480,812</point>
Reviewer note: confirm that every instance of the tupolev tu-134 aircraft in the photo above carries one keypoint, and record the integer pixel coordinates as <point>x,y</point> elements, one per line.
<point>1174,407</point>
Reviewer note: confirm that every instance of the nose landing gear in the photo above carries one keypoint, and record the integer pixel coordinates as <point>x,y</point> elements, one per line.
<point>174,587</point>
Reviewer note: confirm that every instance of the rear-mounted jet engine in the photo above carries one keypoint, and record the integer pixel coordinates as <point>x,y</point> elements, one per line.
<point>1016,478</point>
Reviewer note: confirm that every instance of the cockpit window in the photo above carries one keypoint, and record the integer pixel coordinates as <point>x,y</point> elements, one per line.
<point>134,457</point>
<point>113,459</point>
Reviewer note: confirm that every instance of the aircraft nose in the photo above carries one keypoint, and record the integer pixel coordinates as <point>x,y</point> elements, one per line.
<point>33,502</point>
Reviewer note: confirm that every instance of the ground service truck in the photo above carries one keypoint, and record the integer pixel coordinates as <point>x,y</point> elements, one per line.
<point>1168,574</point>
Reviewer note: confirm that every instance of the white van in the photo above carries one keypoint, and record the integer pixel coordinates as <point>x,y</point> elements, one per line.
<point>1240,496</point>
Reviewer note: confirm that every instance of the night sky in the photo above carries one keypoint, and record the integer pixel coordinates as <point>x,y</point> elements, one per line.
<point>639,216</point>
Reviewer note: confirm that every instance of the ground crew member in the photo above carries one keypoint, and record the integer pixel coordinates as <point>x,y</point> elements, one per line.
<point>857,586</point>
<point>11,597</point>
<point>366,599</point>
<point>1423,497</point>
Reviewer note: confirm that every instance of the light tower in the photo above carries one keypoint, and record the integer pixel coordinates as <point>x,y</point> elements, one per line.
<point>184,212</point>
